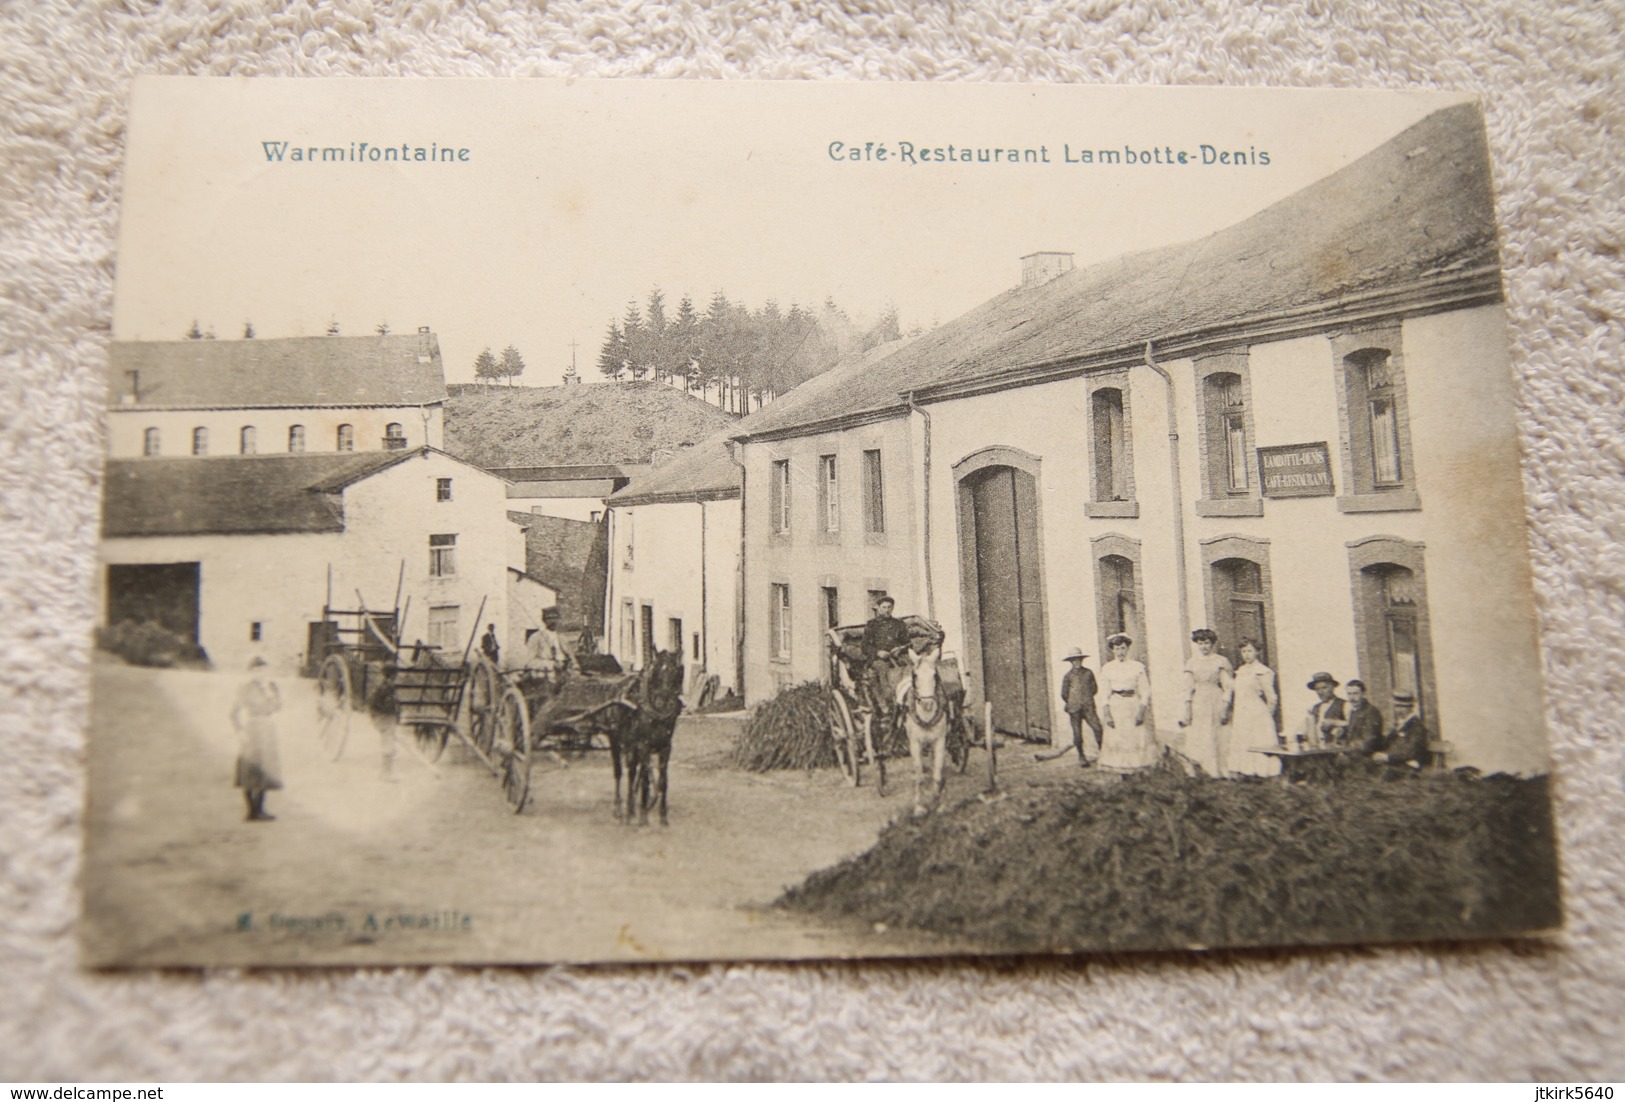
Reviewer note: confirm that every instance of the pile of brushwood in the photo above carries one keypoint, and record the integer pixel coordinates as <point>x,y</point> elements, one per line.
<point>151,644</point>
<point>791,731</point>
<point>1162,860</point>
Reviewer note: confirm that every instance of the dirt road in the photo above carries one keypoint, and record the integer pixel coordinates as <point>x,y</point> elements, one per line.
<point>433,867</point>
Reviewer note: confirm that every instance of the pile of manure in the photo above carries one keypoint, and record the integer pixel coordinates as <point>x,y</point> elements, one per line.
<point>1160,860</point>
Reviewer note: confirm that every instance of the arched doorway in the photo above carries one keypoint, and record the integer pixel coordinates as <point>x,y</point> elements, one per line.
<point>1003,591</point>
<point>1391,622</point>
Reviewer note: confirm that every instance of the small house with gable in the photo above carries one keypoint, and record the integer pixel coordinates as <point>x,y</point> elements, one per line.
<point>240,554</point>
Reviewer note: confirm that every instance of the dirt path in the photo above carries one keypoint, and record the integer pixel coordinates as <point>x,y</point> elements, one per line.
<point>433,866</point>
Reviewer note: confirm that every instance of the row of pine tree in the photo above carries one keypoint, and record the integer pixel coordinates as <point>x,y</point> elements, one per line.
<point>733,355</point>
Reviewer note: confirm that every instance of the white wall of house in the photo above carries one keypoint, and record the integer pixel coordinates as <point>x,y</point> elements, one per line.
<point>392,516</point>
<point>808,558</point>
<point>527,597</point>
<point>1485,661</point>
<point>280,581</point>
<point>127,428</point>
<point>568,508</point>
<point>276,582</point>
<point>681,560</point>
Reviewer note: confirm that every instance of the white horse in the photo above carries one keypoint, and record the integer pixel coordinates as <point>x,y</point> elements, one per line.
<point>925,715</point>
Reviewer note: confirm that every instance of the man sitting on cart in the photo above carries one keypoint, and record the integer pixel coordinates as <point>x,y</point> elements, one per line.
<point>545,653</point>
<point>885,643</point>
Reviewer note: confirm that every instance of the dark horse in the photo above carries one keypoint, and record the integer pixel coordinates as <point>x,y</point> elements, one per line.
<point>644,734</point>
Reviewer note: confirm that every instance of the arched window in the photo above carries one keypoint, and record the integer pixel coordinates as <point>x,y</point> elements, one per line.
<point>1377,468</point>
<point>1119,599</point>
<point>200,441</point>
<point>346,438</point>
<point>394,436</point>
<point>1391,621</point>
<point>247,440</point>
<point>1111,448</point>
<point>1107,421</point>
<point>296,438</point>
<point>151,442</point>
<point>1226,408</point>
<point>1240,599</point>
<point>1371,371</point>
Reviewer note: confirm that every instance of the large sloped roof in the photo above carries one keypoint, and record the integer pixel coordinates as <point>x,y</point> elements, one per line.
<point>705,472</point>
<point>276,372</point>
<point>1416,207</point>
<point>233,495</point>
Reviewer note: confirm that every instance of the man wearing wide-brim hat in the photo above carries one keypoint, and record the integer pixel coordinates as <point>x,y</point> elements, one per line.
<point>1328,715</point>
<point>1078,691</point>
<point>1407,743</point>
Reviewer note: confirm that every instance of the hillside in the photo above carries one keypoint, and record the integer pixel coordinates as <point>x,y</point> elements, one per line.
<point>588,423</point>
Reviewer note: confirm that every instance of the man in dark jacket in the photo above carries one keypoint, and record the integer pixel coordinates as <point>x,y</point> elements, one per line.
<point>1078,691</point>
<point>1364,733</point>
<point>885,638</point>
<point>1407,743</point>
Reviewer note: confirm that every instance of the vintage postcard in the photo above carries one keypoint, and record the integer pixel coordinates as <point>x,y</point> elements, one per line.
<point>613,521</point>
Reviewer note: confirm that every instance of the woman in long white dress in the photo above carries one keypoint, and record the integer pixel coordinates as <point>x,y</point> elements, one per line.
<point>1253,726</point>
<point>259,765</point>
<point>1125,690</point>
<point>1208,684</point>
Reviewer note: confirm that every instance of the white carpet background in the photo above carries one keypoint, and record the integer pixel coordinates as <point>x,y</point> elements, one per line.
<point>1550,74</point>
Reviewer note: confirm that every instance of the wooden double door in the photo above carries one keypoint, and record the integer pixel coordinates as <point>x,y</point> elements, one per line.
<point>1004,593</point>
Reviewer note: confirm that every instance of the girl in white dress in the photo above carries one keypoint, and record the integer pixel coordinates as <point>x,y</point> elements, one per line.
<point>1125,689</point>
<point>1208,685</point>
<point>1253,727</point>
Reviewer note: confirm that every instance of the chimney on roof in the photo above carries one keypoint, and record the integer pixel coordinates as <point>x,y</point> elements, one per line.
<point>425,343</point>
<point>1040,268</point>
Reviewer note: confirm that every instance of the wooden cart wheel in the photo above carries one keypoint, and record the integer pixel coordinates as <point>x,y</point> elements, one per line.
<point>335,699</point>
<point>431,739</point>
<point>511,747</point>
<point>484,694</point>
<point>844,734</point>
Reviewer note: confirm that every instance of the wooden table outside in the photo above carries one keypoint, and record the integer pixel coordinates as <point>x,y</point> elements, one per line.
<point>1310,763</point>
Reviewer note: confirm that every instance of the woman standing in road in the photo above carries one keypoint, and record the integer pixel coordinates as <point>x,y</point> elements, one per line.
<point>1127,745</point>
<point>1209,684</point>
<point>1253,727</point>
<point>259,766</point>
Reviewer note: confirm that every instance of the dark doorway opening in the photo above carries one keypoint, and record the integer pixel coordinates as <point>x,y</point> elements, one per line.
<point>165,594</point>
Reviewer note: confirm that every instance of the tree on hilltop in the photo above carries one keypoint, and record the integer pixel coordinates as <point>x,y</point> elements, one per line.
<point>612,356</point>
<point>486,366</point>
<point>511,364</point>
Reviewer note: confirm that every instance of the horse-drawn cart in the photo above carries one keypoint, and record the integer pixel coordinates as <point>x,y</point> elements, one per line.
<point>573,711</point>
<point>362,666</point>
<point>865,720</point>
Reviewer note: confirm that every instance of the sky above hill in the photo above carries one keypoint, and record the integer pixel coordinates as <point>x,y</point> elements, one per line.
<point>561,201</point>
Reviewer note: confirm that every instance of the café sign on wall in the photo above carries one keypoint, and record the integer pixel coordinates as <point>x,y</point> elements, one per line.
<point>1295,470</point>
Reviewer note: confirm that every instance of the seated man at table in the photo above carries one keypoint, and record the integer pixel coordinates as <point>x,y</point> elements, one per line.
<point>1364,734</point>
<point>1407,743</point>
<point>1327,718</point>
